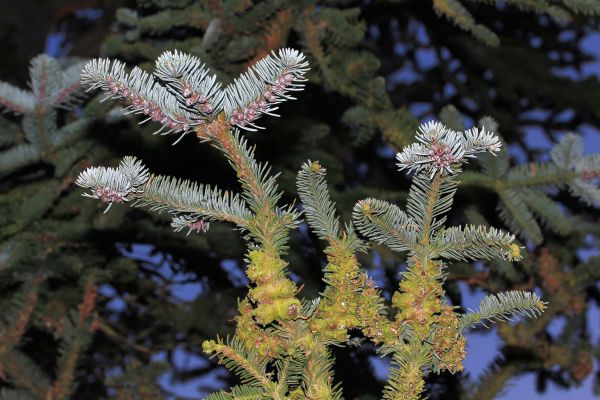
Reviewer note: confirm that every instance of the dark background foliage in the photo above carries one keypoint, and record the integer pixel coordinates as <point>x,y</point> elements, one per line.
<point>378,68</point>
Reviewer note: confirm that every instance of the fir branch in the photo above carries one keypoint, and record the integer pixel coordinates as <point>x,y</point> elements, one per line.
<point>290,368</point>
<point>46,76</point>
<point>567,151</point>
<point>115,185</point>
<point>318,207</point>
<point>515,214</point>
<point>52,88</point>
<point>145,95</point>
<point>536,174</point>
<point>458,14</point>
<point>429,200</point>
<point>25,374</point>
<point>520,188</point>
<point>74,341</point>
<point>475,242</point>
<point>183,196</point>
<point>188,79</point>
<point>18,156</point>
<point>386,224</point>
<point>568,155</point>
<point>69,91</point>
<point>271,223</point>
<point>16,100</point>
<point>442,149</point>
<point>192,97</point>
<point>439,149</point>
<point>240,392</point>
<point>320,210</point>
<point>493,382</point>
<point>587,192</point>
<point>69,133</point>
<point>250,368</point>
<point>260,187</point>
<point>548,211</point>
<point>316,377</point>
<point>405,380</point>
<point>132,182</point>
<point>436,158</point>
<point>281,348</point>
<point>257,91</point>
<point>503,307</point>
<point>39,127</point>
<point>271,76</point>
<point>16,319</point>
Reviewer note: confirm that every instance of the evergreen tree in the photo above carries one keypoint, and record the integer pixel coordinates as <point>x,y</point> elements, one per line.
<point>378,69</point>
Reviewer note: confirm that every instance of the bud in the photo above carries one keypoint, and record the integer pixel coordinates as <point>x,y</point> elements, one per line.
<point>315,167</point>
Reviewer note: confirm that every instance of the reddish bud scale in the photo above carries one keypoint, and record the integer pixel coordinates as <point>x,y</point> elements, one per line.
<point>253,111</point>
<point>199,226</point>
<point>589,174</point>
<point>178,122</point>
<point>109,195</point>
<point>192,98</point>
<point>441,155</point>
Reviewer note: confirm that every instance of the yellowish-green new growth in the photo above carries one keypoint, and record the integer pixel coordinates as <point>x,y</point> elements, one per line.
<point>281,344</point>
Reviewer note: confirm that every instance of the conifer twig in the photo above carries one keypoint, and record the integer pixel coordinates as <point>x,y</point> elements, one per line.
<point>280,349</point>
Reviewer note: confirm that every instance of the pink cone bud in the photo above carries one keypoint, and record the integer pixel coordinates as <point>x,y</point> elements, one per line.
<point>206,108</point>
